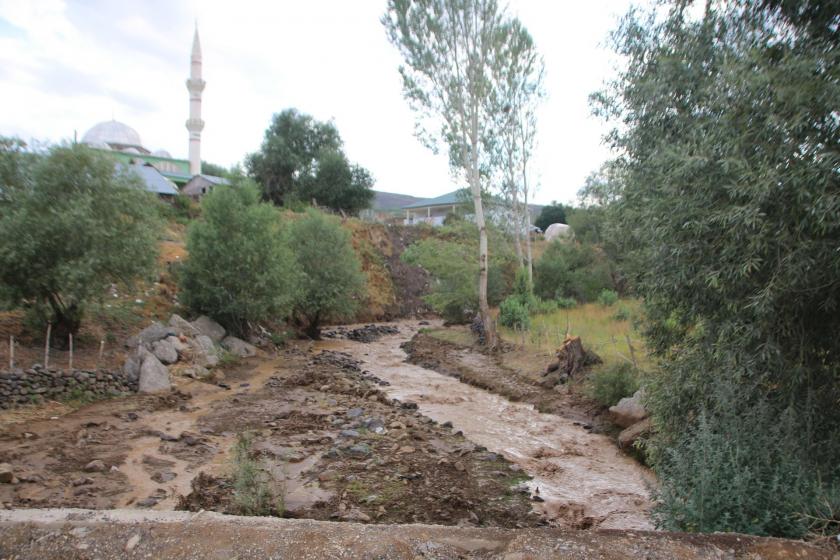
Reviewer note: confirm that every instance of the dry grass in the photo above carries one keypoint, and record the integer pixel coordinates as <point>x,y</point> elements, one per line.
<point>456,334</point>
<point>597,327</point>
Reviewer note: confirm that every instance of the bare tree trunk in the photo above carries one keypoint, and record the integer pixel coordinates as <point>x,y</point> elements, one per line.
<point>483,253</point>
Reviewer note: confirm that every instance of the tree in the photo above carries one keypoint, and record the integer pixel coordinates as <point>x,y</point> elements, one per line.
<point>209,168</point>
<point>301,159</point>
<point>729,208</point>
<point>72,222</point>
<point>554,213</point>
<point>240,270</point>
<point>332,282</point>
<point>448,47</point>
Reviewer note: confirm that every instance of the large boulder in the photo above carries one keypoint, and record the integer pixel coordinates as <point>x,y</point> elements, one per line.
<point>210,328</point>
<point>150,335</point>
<point>639,430</point>
<point>238,347</point>
<point>165,351</point>
<point>629,410</point>
<point>154,376</point>
<point>182,325</point>
<point>555,231</point>
<point>181,347</point>
<point>204,352</point>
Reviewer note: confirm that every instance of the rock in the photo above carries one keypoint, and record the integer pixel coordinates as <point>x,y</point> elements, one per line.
<point>196,372</point>
<point>359,450</point>
<point>7,475</point>
<point>405,449</point>
<point>460,466</point>
<point>209,328</point>
<point>355,412</point>
<point>147,502</point>
<point>131,368</point>
<point>154,377</point>
<point>132,542</point>
<point>96,465</point>
<point>165,351</point>
<point>349,433</point>
<point>375,425</point>
<point>205,353</point>
<point>629,410</point>
<point>355,515</point>
<point>179,346</point>
<point>150,334</point>
<point>238,347</point>
<point>396,425</point>
<point>164,476</point>
<point>628,436</point>
<point>182,326</point>
<point>82,481</point>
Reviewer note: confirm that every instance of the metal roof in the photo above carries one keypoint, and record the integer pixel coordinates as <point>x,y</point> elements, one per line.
<point>215,180</point>
<point>152,179</point>
<point>449,199</point>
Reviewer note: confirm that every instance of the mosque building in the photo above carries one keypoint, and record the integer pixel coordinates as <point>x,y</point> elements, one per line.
<point>160,172</point>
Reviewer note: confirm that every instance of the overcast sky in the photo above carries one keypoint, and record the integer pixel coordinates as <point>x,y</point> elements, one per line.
<point>64,66</point>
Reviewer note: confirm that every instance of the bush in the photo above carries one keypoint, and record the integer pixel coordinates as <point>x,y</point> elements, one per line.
<point>253,491</point>
<point>70,224</point>
<point>513,314</point>
<point>566,302</point>
<point>622,314</point>
<point>571,270</point>
<point>737,469</point>
<point>612,383</point>
<point>240,270</point>
<point>332,282</point>
<point>607,298</point>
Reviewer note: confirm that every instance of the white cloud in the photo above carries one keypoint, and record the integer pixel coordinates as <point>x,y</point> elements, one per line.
<point>72,65</point>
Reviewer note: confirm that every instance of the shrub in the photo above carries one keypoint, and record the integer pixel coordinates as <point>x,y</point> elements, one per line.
<point>513,314</point>
<point>70,224</point>
<point>253,491</point>
<point>612,383</point>
<point>543,306</point>
<point>566,302</point>
<point>240,270</point>
<point>332,282</point>
<point>607,298</point>
<point>571,270</point>
<point>622,314</point>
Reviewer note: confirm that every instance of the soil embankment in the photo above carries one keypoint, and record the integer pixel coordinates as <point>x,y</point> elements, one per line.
<point>114,535</point>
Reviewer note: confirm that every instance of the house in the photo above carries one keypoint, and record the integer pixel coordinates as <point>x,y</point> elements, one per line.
<point>153,180</point>
<point>434,210</point>
<point>387,207</point>
<point>202,184</point>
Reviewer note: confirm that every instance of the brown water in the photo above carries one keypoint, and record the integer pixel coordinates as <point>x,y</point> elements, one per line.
<point>583,478</point>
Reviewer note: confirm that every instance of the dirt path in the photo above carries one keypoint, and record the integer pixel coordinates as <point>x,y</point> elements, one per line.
<point>580,478</point>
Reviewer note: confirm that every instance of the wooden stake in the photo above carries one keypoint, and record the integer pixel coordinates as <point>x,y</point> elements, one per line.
<point>632,352</point>
<point>47,347</point>
<point>70,365</point>
<point>11,352</point>
<point>101,351</point>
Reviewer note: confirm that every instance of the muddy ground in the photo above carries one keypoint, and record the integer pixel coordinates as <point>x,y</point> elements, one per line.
<point>339,448</point>
<point>473,366</point>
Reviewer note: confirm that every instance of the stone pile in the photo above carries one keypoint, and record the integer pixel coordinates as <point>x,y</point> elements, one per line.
<point>36,384</point>
<point>367,333</point>
<point>199,344</point>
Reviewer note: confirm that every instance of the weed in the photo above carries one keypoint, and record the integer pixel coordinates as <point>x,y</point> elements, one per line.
<point>612,383</point>
<point>607,298</point>
<point>254,492</point>
<point>228,359</point>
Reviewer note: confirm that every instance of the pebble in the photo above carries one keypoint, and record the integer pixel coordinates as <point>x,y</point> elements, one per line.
<point>132,543</point>
<point>96,466</point>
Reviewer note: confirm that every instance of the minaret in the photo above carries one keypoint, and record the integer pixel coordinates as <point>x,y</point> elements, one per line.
<point>195,85</point>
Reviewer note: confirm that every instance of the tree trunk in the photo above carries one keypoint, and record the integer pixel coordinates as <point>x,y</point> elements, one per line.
<point>527,214</point>
<point>483,253</point>
<point>66,320</point>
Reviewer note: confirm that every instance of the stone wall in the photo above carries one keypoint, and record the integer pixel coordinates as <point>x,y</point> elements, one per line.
<point>34,385</point>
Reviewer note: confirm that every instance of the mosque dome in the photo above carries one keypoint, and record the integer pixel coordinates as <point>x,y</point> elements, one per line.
<point>162,153</point>
<point>112,133</point>
<point>132,151</point>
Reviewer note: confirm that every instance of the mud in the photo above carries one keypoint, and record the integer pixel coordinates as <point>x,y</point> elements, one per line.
<point>580,479</point>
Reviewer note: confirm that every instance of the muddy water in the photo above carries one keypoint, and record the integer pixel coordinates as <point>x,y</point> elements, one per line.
<point>582,477</point>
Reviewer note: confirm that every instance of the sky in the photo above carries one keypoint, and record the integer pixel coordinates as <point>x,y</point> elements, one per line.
<point>65,66</point>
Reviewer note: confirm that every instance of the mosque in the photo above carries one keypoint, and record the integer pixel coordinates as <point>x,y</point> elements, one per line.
<point>160,172</point>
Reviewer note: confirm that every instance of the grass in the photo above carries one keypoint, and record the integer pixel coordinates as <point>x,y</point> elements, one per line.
<point>456,335</point>
<point>600,328</point>
<point>254,489</point>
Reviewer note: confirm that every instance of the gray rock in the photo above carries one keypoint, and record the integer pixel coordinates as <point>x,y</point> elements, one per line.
<point>182,326</point>
<point>359,450</point>
<point>180,347</point>
<point>637,431</point>
<point>238,347</point>
<point>7,475</point>
<point>150,334</point>
<point>210,328</point>
<point>349,433</point>
<point>96,465</point>
<point>355,412</point>
<point>196,372</point>
<point>205,353</point>
<point>629,410</point>
<point>164,351</point>
<point>154,377</point>
<point>131,368</point>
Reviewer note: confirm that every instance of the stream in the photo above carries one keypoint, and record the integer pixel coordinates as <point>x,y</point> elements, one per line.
<point>582,478</point>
